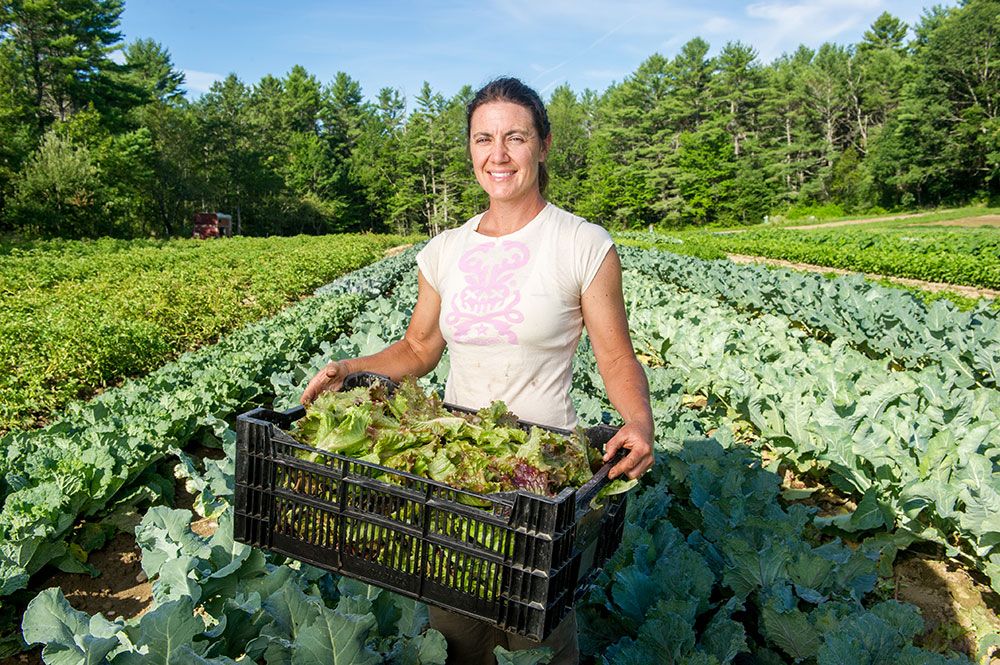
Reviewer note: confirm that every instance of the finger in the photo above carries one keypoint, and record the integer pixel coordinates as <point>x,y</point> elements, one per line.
<point>626,465</point>
<point>611,447</point>
<point>313,389</point>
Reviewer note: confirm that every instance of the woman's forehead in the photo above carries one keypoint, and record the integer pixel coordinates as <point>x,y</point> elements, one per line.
<point>500,114</point>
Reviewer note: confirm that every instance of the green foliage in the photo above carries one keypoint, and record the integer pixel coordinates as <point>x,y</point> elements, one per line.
<point>80,463</point>
<point>410,430</point>
<point>151,69</point>
<point>82,316</point>
<point>714,567</point>
<point>692,139</point>
<point>952,255</point>
<point>964,346</point>
<point>825,407</point>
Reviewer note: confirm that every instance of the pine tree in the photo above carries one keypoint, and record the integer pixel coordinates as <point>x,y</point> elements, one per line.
<point>62,51</point>
<point>149,67</point>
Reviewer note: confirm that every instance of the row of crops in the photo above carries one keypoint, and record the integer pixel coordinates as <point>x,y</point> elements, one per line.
<point>76,317</point>
<point>954,255</point>
<point>716,566</point>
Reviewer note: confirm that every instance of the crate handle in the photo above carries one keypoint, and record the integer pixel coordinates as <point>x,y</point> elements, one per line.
<point>366,379</point>
<point>590,488</point>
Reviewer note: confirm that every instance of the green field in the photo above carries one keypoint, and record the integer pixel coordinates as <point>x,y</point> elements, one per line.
<point>913,248</point>
<point>79,316</point>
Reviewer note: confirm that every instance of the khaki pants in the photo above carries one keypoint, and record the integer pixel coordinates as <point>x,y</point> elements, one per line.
<point>471,642</point>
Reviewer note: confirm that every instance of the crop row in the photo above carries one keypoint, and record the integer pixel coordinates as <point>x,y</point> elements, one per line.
<point>713,568</point>
<point>877,320</point>
<point>81,463</point>
<point>78,316</point>
<point>951,255</point>
<point>921,455</point>
<point>711,518</point>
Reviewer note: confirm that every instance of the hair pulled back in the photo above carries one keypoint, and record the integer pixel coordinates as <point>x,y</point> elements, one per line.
<point>515,91</point>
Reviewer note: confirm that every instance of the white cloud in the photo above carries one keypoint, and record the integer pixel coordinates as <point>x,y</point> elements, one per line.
<point>199,82</point>
<point>719,24</point>
<point>780,24</point>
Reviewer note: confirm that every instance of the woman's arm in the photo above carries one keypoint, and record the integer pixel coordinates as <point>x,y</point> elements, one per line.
<point>417,353</point>
<point>604,316</point>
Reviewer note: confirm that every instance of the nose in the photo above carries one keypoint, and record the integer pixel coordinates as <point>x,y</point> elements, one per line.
<point>498,152</point>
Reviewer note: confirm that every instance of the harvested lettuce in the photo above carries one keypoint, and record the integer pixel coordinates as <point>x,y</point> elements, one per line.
<point>411,430</point>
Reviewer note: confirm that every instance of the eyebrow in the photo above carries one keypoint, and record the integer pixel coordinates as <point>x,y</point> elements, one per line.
<point>513,131</point>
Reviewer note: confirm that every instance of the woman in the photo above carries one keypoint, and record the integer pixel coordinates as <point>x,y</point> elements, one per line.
<point>508,293</point>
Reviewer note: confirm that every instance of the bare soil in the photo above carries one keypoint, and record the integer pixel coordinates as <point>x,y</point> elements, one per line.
<point>121,589</point>
<point>967,222</point>
<point>854,222</point>
<point>967,291</point>
<point>958,610</point>
<point>398,249</point>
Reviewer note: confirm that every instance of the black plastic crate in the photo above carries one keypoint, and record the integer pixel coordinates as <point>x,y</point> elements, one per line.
<point>517,560</point>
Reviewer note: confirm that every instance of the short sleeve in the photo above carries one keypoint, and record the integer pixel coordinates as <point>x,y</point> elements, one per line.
<point>428,260</point>
<point>593,243</point>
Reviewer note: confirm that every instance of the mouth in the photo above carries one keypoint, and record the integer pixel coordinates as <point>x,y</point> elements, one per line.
<point>500,176</point>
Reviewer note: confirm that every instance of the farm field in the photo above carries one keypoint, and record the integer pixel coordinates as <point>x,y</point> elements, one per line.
<point>961,248</point>
<point>79,316</point>
<point>826,449</point>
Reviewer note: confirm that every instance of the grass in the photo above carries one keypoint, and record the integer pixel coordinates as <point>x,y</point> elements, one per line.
<point>920,218</point>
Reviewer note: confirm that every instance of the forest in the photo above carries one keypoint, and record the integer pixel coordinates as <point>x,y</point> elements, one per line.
<point>99,139</point>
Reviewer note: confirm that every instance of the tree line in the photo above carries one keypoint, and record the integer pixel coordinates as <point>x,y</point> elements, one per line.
<point>99,145</point>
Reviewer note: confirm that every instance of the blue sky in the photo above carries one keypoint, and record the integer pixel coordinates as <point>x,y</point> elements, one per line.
<point>586,43</point>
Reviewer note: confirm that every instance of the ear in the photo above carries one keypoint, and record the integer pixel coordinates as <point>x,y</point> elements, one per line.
<point>546,145</point>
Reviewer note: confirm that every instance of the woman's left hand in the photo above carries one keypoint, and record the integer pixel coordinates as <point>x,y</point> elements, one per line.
<point>638,440</point>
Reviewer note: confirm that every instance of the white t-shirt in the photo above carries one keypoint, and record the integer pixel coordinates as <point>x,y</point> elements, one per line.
<point>510,310</point>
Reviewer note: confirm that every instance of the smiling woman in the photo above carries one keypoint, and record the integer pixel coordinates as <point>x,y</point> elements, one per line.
<point>509,293</point>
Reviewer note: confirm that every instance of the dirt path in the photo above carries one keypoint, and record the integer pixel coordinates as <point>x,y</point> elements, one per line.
<point>121,589</point>
<point>967,291</point>
<point>853,222</point>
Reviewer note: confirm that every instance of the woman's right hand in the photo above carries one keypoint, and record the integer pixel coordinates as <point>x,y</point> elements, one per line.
<point>330,377</point>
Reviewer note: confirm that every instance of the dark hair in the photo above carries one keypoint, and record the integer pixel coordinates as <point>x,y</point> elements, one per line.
<point>508,89</point>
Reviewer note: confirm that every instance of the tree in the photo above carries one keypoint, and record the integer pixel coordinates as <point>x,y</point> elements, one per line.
<point>886,33</point>
<point>567,160</point>
<point>439,190</point>
<point>176,164</point>
<point>739,85</point>
<point>233,173</point>
<point>149,67</point>
<point>56,192</point>
<point>61,48</point>
<point>944,143</point>
<point>376,160</point>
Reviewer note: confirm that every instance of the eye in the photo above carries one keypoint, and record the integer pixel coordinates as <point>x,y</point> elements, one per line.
<point>480,140</point>
<point>516,138</point>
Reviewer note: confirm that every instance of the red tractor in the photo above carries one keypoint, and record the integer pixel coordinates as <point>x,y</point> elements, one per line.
<point>212,225</point>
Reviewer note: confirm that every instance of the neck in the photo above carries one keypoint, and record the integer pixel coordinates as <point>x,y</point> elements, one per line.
<point>503,217</point>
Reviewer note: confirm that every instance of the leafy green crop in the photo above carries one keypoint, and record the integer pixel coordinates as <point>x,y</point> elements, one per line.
<point>80,316</point>
<point>715,566</point>
<point>877,320</point>
<point>79,464</point>
<point>923,449</point>
<point>410,430</point>
<point>952,255</point>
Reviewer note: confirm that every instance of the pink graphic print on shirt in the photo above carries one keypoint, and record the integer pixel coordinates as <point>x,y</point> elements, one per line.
<point>485,309</point>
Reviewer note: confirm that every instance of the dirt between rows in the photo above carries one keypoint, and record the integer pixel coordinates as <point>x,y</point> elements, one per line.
<point>968,222</point>
<point>967,291</point>
<point>121,589</point>
<point>957,609</point>
<point>854,222</point>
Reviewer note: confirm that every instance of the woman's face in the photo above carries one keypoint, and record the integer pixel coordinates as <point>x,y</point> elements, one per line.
<point>506,151</point>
